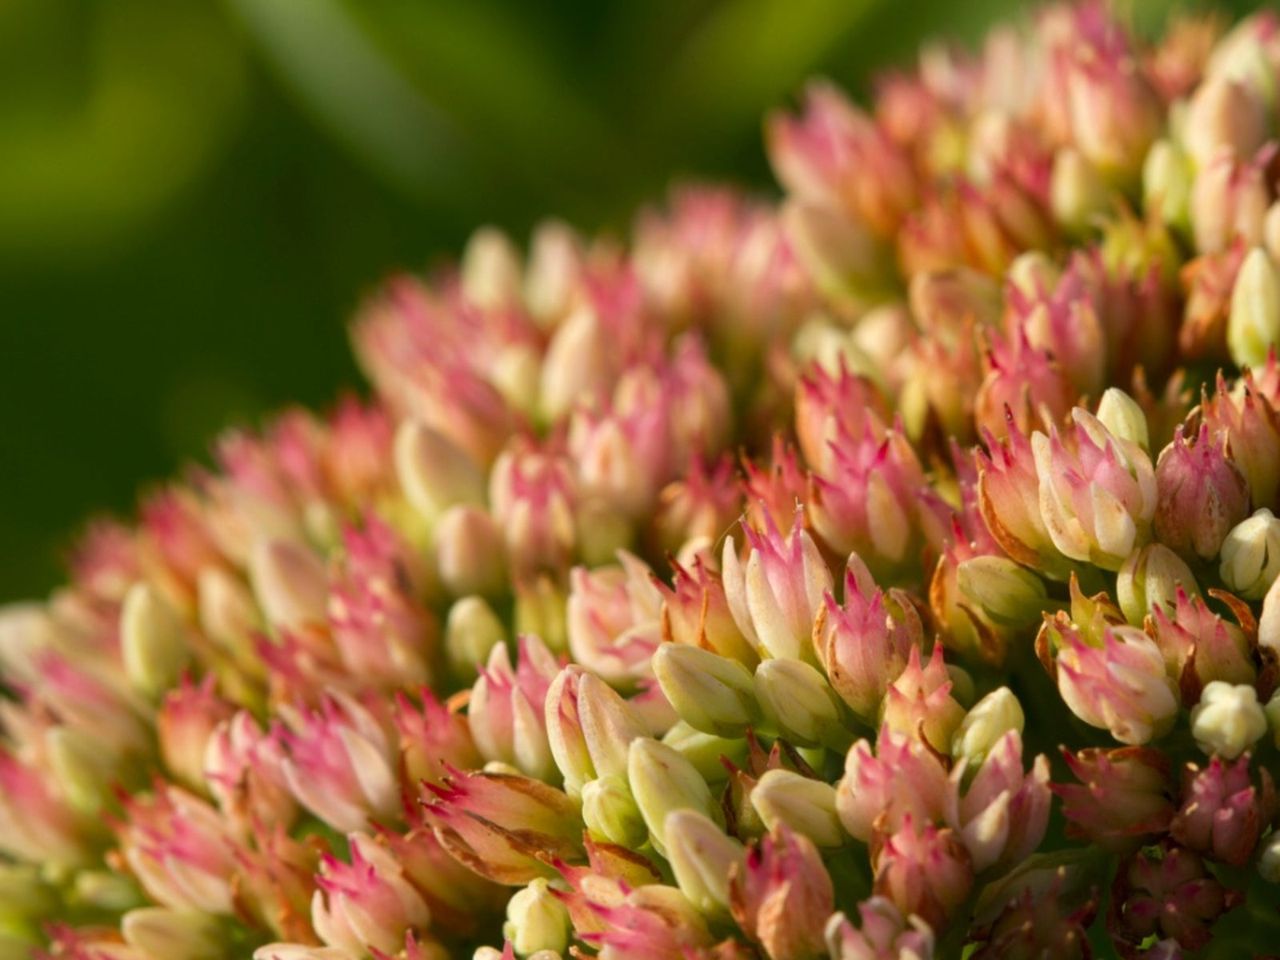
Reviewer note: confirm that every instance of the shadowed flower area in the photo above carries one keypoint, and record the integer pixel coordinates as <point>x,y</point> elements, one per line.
<point>849,535</point>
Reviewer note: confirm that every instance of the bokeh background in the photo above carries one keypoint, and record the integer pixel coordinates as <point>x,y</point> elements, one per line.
<point>195,193</point>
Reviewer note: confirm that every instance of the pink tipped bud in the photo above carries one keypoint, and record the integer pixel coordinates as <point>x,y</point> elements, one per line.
<point>242,767</point>
<point>919,701</point>
<point>37,822</point>
<point>613,620</point>
<point>187,719</point>
<point>776,594</point>
<point>1123,795</point>
<point>1097,492</point>
<point>532,496</point>
<point>1229,200</point>
<point>864,644</point>
<point>506,711</point>
<point>503,827</point>
<point>432,738</point>
<point>1119,684</point>
<point>1199,646</point>
<point>827,402</point>
<point>1201,495</point>
<point>882,933</point>
<point>1223,812</point>
<point>589,727</point>
<point>366,904</point>
<point>903,779</point>
<point>339,764</point>
<point>1151,578</point>
<point>1250,426</point>
<point>782,896</point>
<point>180,849</point>
<point>695,611</point>
<point>1002,815</point>
<point>924,871</point>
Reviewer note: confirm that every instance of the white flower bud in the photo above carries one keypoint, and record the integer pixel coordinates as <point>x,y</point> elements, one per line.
<point>536,920</point>
<point>1120,413</point>
<point>1228,719</point>
<point>1253,325</point>
<point>153,644</point>
<point>1251,555</point>
<point>805,805</point>
<point>982,727</point>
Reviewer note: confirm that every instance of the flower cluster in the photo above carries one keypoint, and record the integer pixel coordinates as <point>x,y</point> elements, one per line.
<point>758,589</point>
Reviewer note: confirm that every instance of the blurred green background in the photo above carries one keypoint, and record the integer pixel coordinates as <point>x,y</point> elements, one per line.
<point>194,193</point>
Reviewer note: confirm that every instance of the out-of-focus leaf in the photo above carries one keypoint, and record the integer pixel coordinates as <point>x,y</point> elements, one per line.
<point>160,88</point>
<point>348,85</point>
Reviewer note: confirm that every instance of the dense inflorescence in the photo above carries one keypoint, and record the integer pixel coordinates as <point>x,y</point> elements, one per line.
<point>882,573</point>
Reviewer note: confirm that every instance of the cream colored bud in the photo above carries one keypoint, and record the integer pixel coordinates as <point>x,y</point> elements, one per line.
<point>536,920</point>
<point>1121,414</point>
<point>610,812</point>
<point>1078,194</point>
<point>153,643</point>
<point>799,701</point>
<point>469,552</point>
<point>470,633</point>
<point>662,781</point>
<point>1009,594</point>
<point>706,751</point>
<point>702,858</point>
<point>1151,577</point>
<point>1253,325</point>
<point>290,582</point>
<point>1228,719</point>
<point>982,727</point>
<point>434,472</point>
<point>491,269</point>
<point>1251,555</point>
<point>709,692</point>
<point>174,934</point>
<point>805,805</point>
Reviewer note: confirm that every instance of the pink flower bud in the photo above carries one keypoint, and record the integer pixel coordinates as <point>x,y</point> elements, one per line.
<point>90,699</point>
<point>1097,492</point>
<point>1113,110</point>
<point>621,460</point>
<point>902,780</point>
<point>692,512</point>
<point>652,922</point>
<point>1223,812</point>
<point>1023,385</point>
<point>862,645</point>
<point>1123,795</point>
<point>339,764</point>
<point>782,896</point>
<point>923,870</point>
<point>1118,684</point>
<point>432,738</point>
<point>1248,424</point>
<point>1199,646</point>
<point>458,899</point>
<point>37,823</point>
<point>1167,892</point>
<point>613,619</point>
<point>242,767</point>
<point>695,611</point>
<point>1009,500</point>
<point>1229,200</point>
<point>469,552</point>
<point>1201,495</point>
<point>1209,281</point>
<point>866,503</point>
<point>180,849</point>
<point>1043,914</point>
<point>589,727</point>
<point>1002,815</point>
<point>882,933</point>
<point>290,583</point>
<point>826,403</point>
<point>532,497</point>
<point>1062,321</point>
<point>776,594</point>
<point>381,630</point>
<point>919,701</point>
<point>366,904</point>
<point>187,719</point>
<point>1225,116</point>
<point>175,522</point>
<point>506,709</point>
<point>504,827</point>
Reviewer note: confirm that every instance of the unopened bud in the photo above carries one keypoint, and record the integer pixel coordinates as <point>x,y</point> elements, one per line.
<point>152,642</point>
<point>702,858</point>
<point>1121,414</point>
<point>1225,114</point>
<point>434,472</point>
<point>290,582</point>
<point>471,631</point>
<point>1272,712</point>
<point>1167,176</point>
<point>982,727</point>
<point>1077,192</point>
<point>536,920</point>
<point>841,255</point>
<point>1269,858</point>
<point>1253,325</point>
<point>709,692</point>
<point>173,934</point>
<point>1228,719</point>
<point>662,781</point>
<point>540,610</point>
<point>1009,594</point>
<point>469,552</point>
<point>85,772</point>
<point>1251,555</point>
<point>805,805</point>
<point>226,609</point>
<point>600,531</point>
<point>491,271</point>
<point>798,700</point>
<point>706,751</point>
<point>1150,578</point>
<point>610,812</point>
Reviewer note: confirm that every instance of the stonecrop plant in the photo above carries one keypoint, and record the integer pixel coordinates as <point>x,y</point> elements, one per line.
<point>884,573</point>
